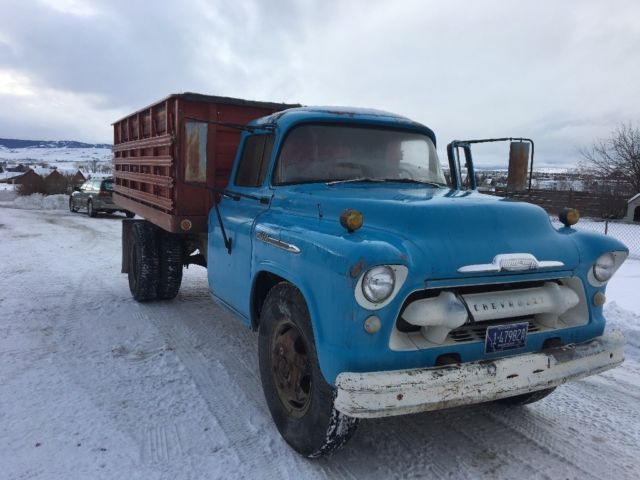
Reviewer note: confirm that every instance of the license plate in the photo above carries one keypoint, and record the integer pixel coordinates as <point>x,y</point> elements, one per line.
<point>505,337</point>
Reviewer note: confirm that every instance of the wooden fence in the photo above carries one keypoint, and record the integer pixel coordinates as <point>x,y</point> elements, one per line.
<point>589,204</point>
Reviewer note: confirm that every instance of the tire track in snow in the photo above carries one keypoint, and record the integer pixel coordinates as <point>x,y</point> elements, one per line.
<point>161,444</point>
<point>553,438</point>
<point>416,443</point>
<point>596,431</point>
<point>222,404</point>
<point>621,380</point>
<point>213,361</point>
<point>471,425</point>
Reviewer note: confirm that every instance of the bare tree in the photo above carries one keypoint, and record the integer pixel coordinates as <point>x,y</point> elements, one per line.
<point>617,158</point>
<point>92,165</point>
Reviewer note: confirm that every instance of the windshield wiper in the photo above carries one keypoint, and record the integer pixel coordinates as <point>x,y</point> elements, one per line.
<point>385,180</point>
<point>359,179</point>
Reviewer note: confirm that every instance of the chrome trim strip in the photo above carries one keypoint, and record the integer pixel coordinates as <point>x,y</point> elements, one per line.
<point>263,237</point>
<point>511,262</point>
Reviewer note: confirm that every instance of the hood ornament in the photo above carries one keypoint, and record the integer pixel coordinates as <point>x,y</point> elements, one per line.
<point>511,262</point>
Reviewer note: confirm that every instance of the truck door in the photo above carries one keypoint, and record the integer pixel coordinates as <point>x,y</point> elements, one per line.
<point>229,266</point>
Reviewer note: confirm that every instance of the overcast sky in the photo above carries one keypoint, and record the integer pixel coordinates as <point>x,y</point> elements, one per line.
<point>560,72</point>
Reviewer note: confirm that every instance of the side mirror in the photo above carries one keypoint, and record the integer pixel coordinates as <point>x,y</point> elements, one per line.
<point>76,189</point>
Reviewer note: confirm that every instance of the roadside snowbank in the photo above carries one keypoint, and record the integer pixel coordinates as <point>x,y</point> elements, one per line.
<point>628,323</point>
<point>6,193</point>
<point>38,201</point>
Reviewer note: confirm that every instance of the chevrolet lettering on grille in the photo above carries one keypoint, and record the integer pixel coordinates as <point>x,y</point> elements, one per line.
<point>507,304</point>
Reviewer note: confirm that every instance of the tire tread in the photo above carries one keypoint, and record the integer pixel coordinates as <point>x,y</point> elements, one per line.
<point>170,267</point>
<point>143,274</point>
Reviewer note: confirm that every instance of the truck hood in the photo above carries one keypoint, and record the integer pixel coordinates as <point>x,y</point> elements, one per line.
<point>438,229</point>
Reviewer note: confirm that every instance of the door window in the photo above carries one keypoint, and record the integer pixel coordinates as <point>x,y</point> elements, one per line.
<point>255,160</point>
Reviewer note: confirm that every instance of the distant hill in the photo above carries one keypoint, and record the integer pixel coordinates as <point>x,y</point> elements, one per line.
<point>14,143</point>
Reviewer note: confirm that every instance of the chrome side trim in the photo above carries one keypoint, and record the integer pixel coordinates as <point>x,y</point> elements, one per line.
<point>511,262</point>
<point>263,237</point>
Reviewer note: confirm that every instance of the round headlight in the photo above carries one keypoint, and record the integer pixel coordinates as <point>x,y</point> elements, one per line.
<point>603,268</point>
<point>378,284</point>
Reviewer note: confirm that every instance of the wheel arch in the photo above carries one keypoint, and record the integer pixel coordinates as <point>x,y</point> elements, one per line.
<point>268,277</point>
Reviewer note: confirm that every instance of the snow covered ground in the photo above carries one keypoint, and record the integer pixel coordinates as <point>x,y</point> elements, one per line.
<point>94,385</point>
<point>54,154</point>
<point>64,159</point>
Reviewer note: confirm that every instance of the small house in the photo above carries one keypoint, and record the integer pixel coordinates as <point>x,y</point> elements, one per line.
<point>19,168</point>
<point>633,209</point>
<point>29,182</point>
<point>78,179</point>
<point>54,183</point>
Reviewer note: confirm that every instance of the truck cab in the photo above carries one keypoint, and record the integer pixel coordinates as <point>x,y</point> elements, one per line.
<point>379,285</point>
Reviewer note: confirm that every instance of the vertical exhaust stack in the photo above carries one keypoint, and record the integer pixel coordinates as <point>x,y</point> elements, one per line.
<point>518,163</point>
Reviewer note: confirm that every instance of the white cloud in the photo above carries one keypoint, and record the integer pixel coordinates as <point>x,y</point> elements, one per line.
<point>80,8</point>
<point>55,114</point>
<point>14,84</point>
<point>560,72</point>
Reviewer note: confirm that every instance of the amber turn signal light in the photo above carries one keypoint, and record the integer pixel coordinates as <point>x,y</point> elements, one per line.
<point>351,219</point>
<point>569,216</point>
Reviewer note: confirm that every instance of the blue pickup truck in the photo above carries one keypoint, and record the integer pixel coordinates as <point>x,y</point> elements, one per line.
<point>381,284</point>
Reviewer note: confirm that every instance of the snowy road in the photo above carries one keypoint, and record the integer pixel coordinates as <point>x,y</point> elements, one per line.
<point>95,385</point>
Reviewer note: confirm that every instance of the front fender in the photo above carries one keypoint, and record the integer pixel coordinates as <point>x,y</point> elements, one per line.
<point>326,270</point>
<point>591,244</point>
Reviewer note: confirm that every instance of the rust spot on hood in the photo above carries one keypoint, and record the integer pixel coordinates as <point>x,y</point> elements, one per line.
<point>357,269</point>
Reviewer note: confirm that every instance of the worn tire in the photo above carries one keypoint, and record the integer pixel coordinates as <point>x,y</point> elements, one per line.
<point>170,269</point>
<point>312,427</point>
<point>526,398</point>
<point>143,262</point>
<point>72,206</point>
<point>90,211</point>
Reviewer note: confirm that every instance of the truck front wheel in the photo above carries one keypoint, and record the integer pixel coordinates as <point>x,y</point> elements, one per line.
<point>299,398</point>
<point>143,262</point>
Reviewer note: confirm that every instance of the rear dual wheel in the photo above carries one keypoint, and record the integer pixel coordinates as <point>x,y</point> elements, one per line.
<point>144,262</point>
<point>155,263</point>
<point>300,400</point>
<point>170,266</point>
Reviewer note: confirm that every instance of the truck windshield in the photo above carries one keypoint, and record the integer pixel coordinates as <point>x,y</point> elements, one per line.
<point>334,153</point>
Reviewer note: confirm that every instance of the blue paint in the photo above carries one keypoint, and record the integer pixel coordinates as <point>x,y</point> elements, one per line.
<point>431,230</point>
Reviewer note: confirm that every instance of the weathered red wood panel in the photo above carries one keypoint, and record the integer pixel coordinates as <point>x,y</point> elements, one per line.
<point>167,154</point>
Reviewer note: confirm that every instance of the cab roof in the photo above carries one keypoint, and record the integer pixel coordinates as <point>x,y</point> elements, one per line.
<point>291,117</point>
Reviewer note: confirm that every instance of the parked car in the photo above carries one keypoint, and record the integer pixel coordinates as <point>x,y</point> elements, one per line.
<point>95,195</point>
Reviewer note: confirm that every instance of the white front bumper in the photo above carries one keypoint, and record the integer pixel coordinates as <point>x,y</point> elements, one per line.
<point>398,392</point>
